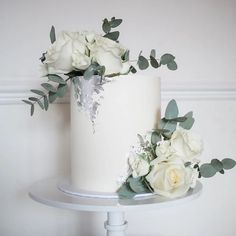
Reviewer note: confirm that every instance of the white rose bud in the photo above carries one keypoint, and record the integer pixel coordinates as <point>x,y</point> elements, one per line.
<point>185,144</point>
<point>170,179</point>
<point>163,151</point>
<point>139,166</point>
<point>125,67</point>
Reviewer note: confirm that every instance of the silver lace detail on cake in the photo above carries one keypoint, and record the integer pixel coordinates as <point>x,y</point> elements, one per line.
<point>88,94</point>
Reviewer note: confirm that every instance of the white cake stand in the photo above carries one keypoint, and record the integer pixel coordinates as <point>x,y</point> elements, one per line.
<point>48,193</point>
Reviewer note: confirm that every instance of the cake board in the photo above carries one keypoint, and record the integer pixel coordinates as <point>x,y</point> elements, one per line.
<point>47,192</point>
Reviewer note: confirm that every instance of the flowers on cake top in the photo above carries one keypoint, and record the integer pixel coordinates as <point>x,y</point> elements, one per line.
<point>87,54</point>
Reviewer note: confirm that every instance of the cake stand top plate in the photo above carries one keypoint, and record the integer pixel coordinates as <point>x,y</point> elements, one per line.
<point>47,192</point>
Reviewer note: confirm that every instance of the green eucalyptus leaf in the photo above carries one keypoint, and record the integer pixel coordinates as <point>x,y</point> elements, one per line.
<point>106,27</point>
<point>89,72</point>
<point>27,102</point>
<point>33,99</point>
<point>101,70</point>
<point>142,62</point>
<point>40,104</point>
<point>137,185</point>
<point>39,92</point>
<point>112,35</point>
<point>155,137</point>
<point>115,22</point>
<point>125,192</point>
<point>228,163</point>
<point>45,102</point>
<point>170,127</point>
<point>153,53</point>
<point>166,58</point>
<point>154,62</point>
<point>188,123</point>
<point>207,170</point>
<point>52,34</point>
<point>133,70</point>
<point>49,87</point>
<point>61,90</point>
<point>217,164</point>
<point>172,110</point>
<point>222,171</point>
<point>52,96</point>
<point>179,119</point>
<point>126,55</point>
<point>56,78</point>
<point>32,109</point>
<point>172,65</point>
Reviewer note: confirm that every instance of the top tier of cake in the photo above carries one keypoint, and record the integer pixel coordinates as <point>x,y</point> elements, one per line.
<point>131,106</point>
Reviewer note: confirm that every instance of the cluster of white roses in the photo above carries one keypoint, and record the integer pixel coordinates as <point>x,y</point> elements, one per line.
<point>76,51</point>
<point>168,174</point>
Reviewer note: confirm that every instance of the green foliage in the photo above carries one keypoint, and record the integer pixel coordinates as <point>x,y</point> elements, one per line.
<point>168,60</point>
<point>137,185</point>
<point>49,87</point>
<point>188,123</point>
<point>207,170</point>
<point>27,102</point>
<point>115,22</point>
<point>38,92</point>
<point>112,35</point>
<point>133,70</point>
<point>52,34</point>
<point>125,192</point>
<point>125,57</point>
<point>155,137</point>
<point>172,65</point>
<point>153,53</point>
<point>154,62</point>
<point>32,109</point>
<point>56,78</point>
<point>52,96</point>
<point>210,169</point>
<point>142,62</point>
<point>172,110</point>
<point>217,164</point>
<point>45,102</point>
<point>61,90</point>
<point>106,27</point>
<point>228,163</point>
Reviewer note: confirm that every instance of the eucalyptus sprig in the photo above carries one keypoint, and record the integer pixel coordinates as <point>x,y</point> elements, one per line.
<point>56,86</point>
<point>108,25</point>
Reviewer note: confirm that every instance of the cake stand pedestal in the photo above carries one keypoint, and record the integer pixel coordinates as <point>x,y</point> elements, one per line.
<point>47,192</point>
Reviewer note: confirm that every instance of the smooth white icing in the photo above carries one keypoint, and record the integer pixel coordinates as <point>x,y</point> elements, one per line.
<point>131,106</point>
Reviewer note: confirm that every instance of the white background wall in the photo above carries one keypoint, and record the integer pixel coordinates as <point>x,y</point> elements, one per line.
<point>202,35</point>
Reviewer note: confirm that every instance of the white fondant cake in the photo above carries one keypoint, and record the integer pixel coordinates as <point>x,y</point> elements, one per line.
<point>131,106</point>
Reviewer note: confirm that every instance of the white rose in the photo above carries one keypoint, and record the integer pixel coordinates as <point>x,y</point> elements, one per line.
<point>107,53</point>
<point>170,179</point>
<point>59,55</point>
<point>185,144</point>
<point>139,166</point>
<point>163,151</point>
<point>80,61</point>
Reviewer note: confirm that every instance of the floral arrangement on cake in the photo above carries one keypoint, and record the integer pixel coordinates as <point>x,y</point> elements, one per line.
<point>166,160</point>
<point>87,60</point>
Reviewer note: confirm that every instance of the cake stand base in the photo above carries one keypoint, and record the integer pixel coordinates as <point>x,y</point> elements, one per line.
<point>47,192</point>
<point>116,224</point>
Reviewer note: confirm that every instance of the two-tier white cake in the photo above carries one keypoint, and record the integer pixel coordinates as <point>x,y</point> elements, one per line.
<point>131,106</point>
